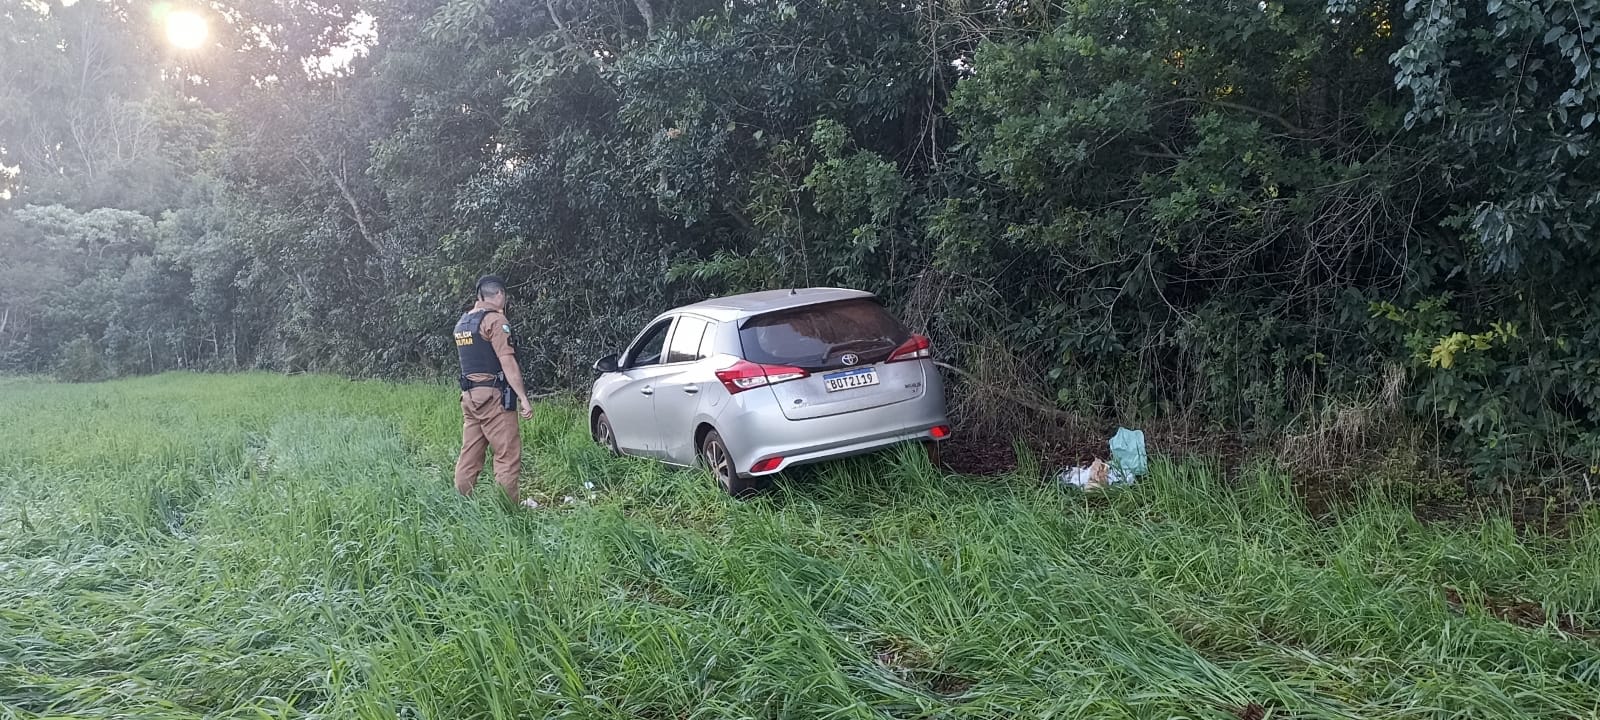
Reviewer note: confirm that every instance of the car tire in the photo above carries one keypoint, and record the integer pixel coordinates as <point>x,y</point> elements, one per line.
<point>605,435</point>
<point>718,460</point>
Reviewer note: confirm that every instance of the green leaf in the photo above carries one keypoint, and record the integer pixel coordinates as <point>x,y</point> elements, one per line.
<point>1588,119</point>
<point>1551,35</point>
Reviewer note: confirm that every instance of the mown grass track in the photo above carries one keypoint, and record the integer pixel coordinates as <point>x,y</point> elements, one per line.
<point>191,546</point>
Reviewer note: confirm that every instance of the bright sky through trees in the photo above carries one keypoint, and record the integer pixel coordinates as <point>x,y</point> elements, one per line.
<point>186,30</point>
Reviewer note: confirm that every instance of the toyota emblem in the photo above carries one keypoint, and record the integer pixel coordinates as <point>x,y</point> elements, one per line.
<point>849,359</point>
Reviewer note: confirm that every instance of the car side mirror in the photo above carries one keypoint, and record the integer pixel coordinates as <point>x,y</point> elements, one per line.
<point>607,364</point>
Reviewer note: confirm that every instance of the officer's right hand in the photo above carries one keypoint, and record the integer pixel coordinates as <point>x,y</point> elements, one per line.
<point>523,409</point>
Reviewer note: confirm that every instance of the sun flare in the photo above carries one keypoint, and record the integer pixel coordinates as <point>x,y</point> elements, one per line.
<point>186,30</point>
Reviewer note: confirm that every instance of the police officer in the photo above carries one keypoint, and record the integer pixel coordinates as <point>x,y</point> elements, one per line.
<point>489,373</point>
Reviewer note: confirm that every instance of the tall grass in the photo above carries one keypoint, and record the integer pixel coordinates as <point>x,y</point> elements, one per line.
<point>259,546</point>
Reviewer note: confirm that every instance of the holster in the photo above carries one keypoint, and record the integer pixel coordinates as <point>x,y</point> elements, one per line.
<point>508,398</point>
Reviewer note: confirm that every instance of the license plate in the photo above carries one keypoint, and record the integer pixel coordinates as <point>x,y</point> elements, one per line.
<point>851,379</point>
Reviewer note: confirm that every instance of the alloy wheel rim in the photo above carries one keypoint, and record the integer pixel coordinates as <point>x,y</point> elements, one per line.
<point>720,465</point>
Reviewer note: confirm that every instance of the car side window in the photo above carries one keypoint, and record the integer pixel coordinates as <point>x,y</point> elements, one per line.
<point>708,341</point>
<point>647,351</point>
<point>685,345</point>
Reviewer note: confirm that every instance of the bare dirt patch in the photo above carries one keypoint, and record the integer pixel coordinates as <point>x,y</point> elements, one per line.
<point>914,666</point>
<point>1523,614</point>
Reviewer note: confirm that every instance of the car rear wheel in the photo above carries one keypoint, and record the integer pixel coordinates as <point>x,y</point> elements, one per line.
<point>604,435</point>
<point>714,453</point>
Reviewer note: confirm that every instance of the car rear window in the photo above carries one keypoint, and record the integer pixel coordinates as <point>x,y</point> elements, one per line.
<point>817,336</point>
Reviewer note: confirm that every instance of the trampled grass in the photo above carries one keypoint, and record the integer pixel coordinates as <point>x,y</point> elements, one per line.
<point>262,546</point>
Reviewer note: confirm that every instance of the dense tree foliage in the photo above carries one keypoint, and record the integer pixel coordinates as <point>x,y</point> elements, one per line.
<point>1261,217</point>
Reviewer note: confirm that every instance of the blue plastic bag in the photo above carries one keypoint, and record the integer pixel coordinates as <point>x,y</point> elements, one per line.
<point>1127,452</point>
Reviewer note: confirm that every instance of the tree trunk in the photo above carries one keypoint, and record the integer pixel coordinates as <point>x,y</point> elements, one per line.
<point>349,198</point>
<point>649,16</point>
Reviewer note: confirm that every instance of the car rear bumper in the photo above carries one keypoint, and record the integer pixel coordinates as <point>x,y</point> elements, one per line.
<point>794,457</point>
<point>756,431</point>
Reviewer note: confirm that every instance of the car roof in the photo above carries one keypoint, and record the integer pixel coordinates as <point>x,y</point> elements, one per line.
<point>738,307</point>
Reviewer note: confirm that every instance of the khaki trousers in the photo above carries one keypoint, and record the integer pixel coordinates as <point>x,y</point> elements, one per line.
<point>485,423</point>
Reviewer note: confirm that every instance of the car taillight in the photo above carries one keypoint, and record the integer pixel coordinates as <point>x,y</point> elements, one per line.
<point>746,375</point>
<point>917,348</point>
<point>766,465</point>
<point>939,432</point>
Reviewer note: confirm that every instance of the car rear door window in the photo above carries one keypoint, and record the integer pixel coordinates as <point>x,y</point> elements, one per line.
<point>708,341</point>
<point>816,336</point>
<point>686,340</point>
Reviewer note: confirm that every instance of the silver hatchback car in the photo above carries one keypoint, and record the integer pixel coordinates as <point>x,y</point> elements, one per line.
<point>750,385</point>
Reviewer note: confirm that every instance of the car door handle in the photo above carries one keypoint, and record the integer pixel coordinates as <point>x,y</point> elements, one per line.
<point>691,389</point>
<point>647,390</point>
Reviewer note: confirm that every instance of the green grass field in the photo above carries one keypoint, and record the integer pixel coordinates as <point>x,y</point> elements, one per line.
<point>261,546</point>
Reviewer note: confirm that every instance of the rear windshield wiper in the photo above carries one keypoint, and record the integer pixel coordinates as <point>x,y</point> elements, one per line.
<point>874,342</point>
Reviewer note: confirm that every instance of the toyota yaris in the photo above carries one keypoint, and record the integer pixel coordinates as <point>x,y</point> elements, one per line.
<point>750,385</point>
